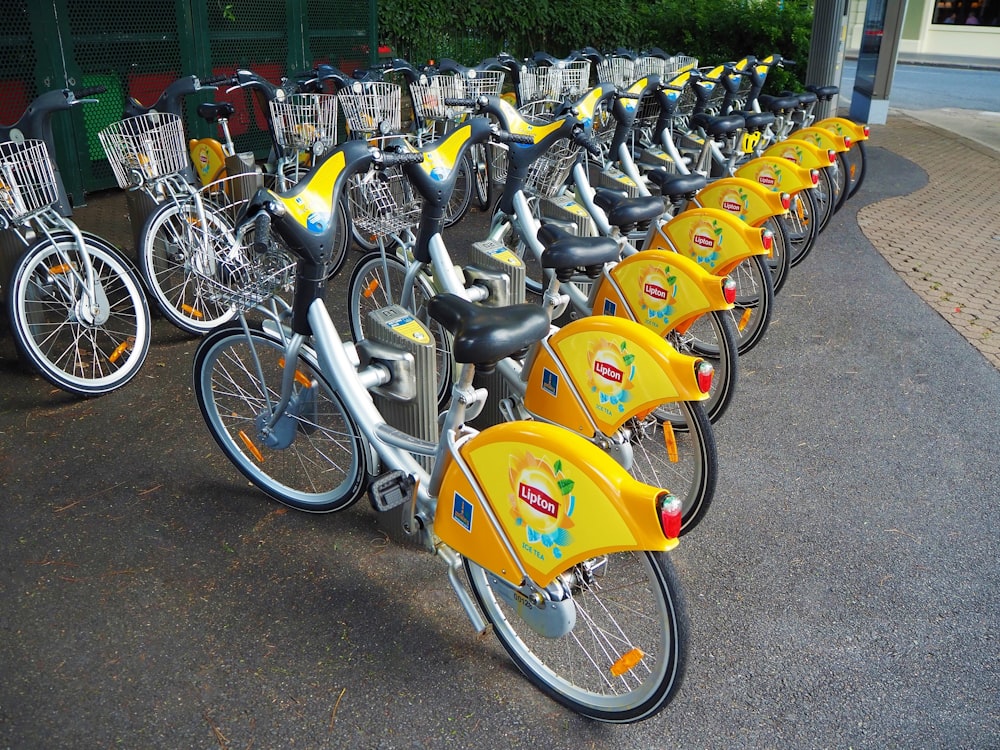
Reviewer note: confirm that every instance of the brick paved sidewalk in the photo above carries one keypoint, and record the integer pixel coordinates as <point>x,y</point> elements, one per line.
<point>944,239</point>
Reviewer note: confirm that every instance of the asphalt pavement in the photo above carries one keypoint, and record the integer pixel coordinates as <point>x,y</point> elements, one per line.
<point>842,590</point>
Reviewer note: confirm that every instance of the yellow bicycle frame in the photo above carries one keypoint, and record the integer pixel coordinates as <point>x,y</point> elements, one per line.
<point>528,500</point>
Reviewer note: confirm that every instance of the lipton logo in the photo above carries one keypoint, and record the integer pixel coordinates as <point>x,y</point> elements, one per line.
<point>766,179</point>
<point>731,205</point>
<point>538,500</point>
<point>608,372</point>
<point>654,290</point>
<point>704,240</point>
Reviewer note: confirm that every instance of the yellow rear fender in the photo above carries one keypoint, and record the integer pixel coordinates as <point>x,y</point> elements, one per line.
<point>531,500</point>
<point>715,239</point>
<point>822,139</point>
<point>746,199</point>
<point>660,289</point>
<point>778,173</point>
<point>804,153</point>
<point>854,130</point>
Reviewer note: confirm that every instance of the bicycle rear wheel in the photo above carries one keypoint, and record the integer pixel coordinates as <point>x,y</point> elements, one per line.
<point>314,459</point>
<point>780,260</point>
<point>85,345</point>
<point>803,228</point>
<point>854,163</point>
<point>713,337</point>
<point>624,659</point>
<point>754,301</point>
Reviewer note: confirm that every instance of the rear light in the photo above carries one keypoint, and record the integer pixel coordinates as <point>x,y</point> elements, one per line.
<point>767,238</point>
<point>729,290</point>
<point>847,141</point>
<point>814,174</point>
<point>866,130</point>
<point>786,201</point>
<point>703,373</point>
<point>831,155</point>
<point>671,510</point>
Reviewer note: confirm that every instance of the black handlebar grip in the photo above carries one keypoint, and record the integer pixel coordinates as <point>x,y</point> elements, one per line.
<point>592,145</point>
<point>262,232</point>
<point>89,91</point>
<point>786,62</point>
<point>505,136</point>
<point>390,158</point>
<point>457,102</point>
<point>212,80</point>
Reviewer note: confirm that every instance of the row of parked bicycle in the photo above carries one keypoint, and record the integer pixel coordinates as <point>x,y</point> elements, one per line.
<point>650,208</point>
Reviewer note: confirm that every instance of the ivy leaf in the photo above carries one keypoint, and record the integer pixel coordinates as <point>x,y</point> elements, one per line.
<point>566,486</point>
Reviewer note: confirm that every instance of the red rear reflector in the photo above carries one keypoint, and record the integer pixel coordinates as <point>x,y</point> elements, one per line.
<point>704,373</point>
<point>729,290</point>
<point>831,155</point>
<point>786,201</point>
<point>767,237</point>
<point>847,141</point>
<point>866,130</point>
<point>670,515</point>
<point>815,176</point>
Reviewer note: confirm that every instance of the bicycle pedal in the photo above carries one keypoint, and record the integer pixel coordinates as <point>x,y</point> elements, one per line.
<point>390,490</point>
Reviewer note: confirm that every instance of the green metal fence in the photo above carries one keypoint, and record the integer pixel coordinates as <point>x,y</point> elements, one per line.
<point>134,48</point>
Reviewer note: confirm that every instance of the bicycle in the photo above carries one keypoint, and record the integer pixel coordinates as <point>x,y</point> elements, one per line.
<point>546,570</point>
<point>614,381</point>
<point>77,311</point>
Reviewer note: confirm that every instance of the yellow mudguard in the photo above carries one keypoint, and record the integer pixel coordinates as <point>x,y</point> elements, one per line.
<point>842,126</point>
<point>778,173</point>
<point>715,239</point>
<point>804,153</point>
<point>596,373</point>
<point>660,289</point>
<point>747,199</point>
<point>821,138</point>
<point>208,159</point>
<point>528,499</point>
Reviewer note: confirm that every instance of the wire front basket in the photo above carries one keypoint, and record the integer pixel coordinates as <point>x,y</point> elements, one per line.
<point>145,148</point>
<point>485,82</point>
<point>370,106</point>
<point>383,202</point>
<point>429,98</point>
<point>548,173</point>
<point>544,82</point>
<point>303,120</point>
<point>227,266</point>
<point>575,78</point>
<point>27,180</point>
<point>617,70</point>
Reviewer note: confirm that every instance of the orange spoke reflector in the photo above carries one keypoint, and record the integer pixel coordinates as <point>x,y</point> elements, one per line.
<point>300,377</point>
<point>670,440</point>
<point>251,447</point>
<point>626,662</point>
<point>371,288</point>
<point>61,268</point>
<point>118,352</point>
<point>744,318</point>
<point>192,312</point>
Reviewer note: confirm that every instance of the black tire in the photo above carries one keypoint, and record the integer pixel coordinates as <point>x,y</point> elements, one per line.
<point>713,337</point>
<point>85,348</point>
<point>483,193</point>
<point>625,603</point>
<point>803,226</point>
<point>779,262</point>
<point>754,301</point>
<point>318,461</point>
<point>855,162</point>
<point>376,282</point>
<point>825,195</point>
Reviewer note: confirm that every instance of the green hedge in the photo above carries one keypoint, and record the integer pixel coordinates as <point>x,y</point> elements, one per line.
<point>714,31</point>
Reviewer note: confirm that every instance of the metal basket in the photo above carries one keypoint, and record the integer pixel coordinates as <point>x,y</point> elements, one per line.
<point>145,148</point>
<point>368,106</point>
<point>429,98</point>
<point>485,82</point>
<point>229,270</point>
<point>543,82</point>
<point>617,70</point>
<point>302,120</point>
<point>574,78</point>
<point>383,202</point>
<point>27,180</point>
<point>548,173</point>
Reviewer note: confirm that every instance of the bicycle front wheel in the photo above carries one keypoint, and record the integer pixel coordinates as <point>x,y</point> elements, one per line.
<point>177,249</point>
<point>461,197</point>
<point>87,342</point>
<point>377,282</point>
<point>314,458</point>
<point>624,659</point>
<point>483,193</point>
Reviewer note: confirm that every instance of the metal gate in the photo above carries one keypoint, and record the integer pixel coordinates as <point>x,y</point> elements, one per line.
<point>134,49</point>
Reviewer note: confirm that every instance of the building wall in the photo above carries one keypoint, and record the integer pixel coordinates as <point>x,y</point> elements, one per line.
<point>922,36</point>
